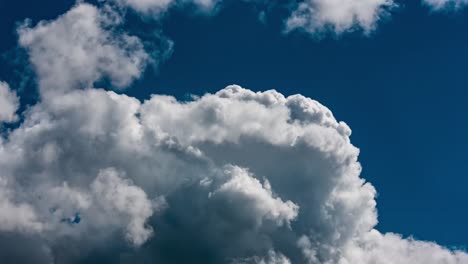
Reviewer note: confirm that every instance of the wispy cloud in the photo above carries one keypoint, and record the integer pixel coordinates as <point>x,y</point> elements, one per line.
<point>439,5</point>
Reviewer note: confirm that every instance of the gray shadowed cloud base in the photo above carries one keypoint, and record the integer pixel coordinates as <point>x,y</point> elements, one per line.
<point>92,176</point>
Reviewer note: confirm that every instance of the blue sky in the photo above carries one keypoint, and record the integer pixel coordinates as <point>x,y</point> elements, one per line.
<point>401,89</point>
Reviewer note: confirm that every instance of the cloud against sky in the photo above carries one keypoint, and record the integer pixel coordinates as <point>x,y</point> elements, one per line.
<point>80,47</point>
<point>438,5</point>
<point>338,16</point>
<point>311,16</point>
<point>158,7</point>
<point>232,177</point>
<point>278,174</point>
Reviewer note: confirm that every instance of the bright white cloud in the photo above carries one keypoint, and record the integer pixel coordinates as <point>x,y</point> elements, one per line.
<point>391,248</point>
<point>445,4</point>
<point>277,174</point>
<point>9,103</point>
<point>79,48</point>
<point>252,196</point>
<point>339,16</point>
<point>117,194</point>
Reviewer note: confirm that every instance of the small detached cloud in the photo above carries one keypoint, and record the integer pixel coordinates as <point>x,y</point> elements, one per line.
<point>438,5</point>
<point>338,16</point>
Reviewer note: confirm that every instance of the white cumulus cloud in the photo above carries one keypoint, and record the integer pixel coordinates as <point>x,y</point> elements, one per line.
<point>80,48</point>
<point>243,176</point>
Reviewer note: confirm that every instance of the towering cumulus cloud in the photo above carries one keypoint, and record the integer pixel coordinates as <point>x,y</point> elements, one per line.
<point>92,176</point>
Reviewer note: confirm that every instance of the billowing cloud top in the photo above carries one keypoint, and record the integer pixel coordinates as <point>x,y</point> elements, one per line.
<point>237,176</point>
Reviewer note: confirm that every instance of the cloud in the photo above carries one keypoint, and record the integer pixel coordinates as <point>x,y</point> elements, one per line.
<point>147,6</point>
<point>236,176</point>
<point>9,103</point>
<point>445,4</point>
<point>252,177</point>
<point>16,217</point>
<point>271,258</point>
<point>159,7</point>
<point>338,16</point>
<point>81,47</point>
<point>391,248</point>
<point>309,16</point>
<point>121,196</point>
<point>252,196</point>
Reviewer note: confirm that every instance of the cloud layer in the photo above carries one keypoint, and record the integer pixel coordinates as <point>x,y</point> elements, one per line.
<point>92,176</point>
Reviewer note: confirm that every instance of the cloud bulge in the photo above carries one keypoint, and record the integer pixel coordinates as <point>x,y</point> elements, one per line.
<point>9,103</point>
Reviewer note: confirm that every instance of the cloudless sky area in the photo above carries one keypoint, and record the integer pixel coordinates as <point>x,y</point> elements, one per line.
<point>402,90</point>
